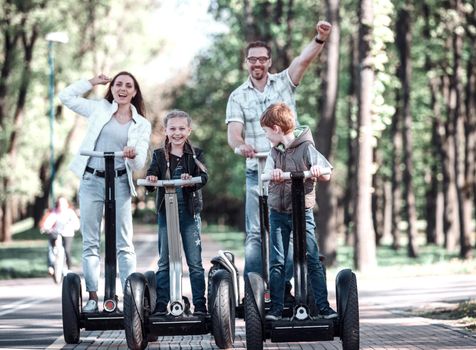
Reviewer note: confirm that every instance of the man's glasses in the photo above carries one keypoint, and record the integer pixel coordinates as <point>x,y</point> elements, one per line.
<point>261,59</point>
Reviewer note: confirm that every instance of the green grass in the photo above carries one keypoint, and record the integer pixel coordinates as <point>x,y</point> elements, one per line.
<point>461,314</point>
<point>431,259</point>
<point>25,256</point>
<point>231,239</point>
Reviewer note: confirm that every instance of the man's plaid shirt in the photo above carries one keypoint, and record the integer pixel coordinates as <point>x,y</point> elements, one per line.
<point>246,105</point>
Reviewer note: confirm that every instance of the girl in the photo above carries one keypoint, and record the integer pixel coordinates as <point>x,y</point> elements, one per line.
<point>116,123</point>
<point>178,159</point>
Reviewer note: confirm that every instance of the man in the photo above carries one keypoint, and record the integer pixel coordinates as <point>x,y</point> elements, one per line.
<point>245,135</point>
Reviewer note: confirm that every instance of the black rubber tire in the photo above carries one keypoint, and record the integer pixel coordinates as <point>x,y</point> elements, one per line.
<point>223,313</point>
<point>253,325</point>
<point>134,311</point>
<point>152,285</point>
<point>211,273</point>
<point>350,330</point>
<point>71,301</point>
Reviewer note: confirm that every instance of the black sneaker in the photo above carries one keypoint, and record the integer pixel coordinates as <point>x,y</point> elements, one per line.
<point>328,313</point>
<point>160,309</point>
<point>200,310</point>
<point>273,316</point>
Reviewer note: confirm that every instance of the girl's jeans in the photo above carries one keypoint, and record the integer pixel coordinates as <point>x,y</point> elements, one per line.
<point>190,232</point>
<point>91,203</point>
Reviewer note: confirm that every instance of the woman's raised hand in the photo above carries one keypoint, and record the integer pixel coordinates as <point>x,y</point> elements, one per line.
<point>101,79</point>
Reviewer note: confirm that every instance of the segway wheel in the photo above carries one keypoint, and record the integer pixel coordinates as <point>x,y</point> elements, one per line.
<point>134,311</point>
<point>213,270</point>
<point>71,301</point>
<point>152,285</point>
<point>59,265</point>
<point>350,334</point>
<point>223,310</point>
<point>253,325</point>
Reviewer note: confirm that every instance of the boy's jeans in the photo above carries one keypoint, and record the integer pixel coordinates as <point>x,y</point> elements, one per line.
<point>253,262</point>
<point>281,225</point>
<point>190,233</point>
<point>91,204</point>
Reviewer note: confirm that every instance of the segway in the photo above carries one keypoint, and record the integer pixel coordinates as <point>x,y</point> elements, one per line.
<point>264,233</point>
<point>142,325</point>
<point>110,318</point>
<point>301,325</point>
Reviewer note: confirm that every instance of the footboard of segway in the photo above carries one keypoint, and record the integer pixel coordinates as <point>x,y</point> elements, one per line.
<point>169,325</point>
<point>287,330</point>
<point>102,321</point>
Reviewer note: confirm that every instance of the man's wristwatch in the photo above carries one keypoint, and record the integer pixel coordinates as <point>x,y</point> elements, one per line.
<point>319,41</point>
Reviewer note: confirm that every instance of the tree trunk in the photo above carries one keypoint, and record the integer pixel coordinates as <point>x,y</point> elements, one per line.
<point>348,197</point>
<point>404,71</point>
<point>396,135</point>
<point>457,117</point>
<point>470,133</point>
<point>434,193</point>
<point>451,221</point>
<point>326,199</point>
<point>378,200</point>
<point>365,250</point>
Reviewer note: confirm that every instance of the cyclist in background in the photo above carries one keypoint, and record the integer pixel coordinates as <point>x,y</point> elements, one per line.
<point>61,220</point>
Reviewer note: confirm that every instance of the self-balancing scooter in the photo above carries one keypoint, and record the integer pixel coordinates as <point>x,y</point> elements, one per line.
<point>111,318</point>
<point>142,325</point>
<point>301,326</point>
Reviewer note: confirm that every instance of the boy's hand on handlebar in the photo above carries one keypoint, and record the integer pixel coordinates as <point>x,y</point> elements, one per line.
<point>129,152</point>
<point>151,178</point>
<point>277,175</point>
<point>186,176</point>
<point>317,175</point>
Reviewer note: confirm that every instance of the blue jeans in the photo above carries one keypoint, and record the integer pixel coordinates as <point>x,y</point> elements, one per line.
<point>91,205</point>
<point>281,225</point>
<point>190,233</point>
<point>253,261</point>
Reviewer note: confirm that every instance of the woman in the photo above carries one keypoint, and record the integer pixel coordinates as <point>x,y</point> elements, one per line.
<point>116,123</point>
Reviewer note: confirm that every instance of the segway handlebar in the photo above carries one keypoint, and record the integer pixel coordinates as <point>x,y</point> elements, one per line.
<point>101,154</point>
<point>287,175</point>
<point>257,155</point>
<point>164,183</point>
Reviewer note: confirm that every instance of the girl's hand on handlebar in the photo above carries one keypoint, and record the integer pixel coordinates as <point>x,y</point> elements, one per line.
<point>151,178</point>
<point>129,152</point>
<point>186,176</point>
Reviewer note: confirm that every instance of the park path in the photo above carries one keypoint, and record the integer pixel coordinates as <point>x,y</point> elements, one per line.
<point>385,323</point>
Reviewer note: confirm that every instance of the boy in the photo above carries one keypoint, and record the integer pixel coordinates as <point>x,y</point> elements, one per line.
<point>292,150</point>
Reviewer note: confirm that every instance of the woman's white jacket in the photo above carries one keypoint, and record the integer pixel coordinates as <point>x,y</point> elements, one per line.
<point>99,112</point>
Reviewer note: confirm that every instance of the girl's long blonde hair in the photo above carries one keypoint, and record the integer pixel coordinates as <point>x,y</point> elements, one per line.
<point>167,146</point>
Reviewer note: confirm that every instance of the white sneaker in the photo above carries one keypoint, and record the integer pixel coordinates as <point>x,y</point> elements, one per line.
<point>91,306</point>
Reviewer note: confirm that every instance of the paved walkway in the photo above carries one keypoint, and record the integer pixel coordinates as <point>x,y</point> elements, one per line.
<point>383,322</point>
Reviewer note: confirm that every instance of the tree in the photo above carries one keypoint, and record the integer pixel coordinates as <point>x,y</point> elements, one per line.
<point>404,41</point>
<point>325,134</point>
<point>365,255</point>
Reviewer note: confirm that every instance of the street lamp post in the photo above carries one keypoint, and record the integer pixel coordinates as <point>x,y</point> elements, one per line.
<point>53,37</point>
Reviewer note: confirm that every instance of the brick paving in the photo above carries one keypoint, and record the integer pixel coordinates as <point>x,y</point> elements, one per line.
<point>383,323</point>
